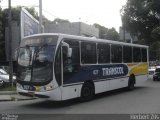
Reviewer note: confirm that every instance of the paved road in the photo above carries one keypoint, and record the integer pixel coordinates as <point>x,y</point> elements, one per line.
<point>144,99</point>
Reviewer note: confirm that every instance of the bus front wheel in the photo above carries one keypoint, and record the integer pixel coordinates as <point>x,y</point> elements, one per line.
<point>87,92</point>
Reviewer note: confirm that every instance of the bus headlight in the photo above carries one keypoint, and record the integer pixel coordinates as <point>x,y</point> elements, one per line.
<point>45,88</point>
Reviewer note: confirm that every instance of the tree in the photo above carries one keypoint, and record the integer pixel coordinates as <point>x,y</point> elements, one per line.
<point>139,18</point>
<point>105,33</point>
<point>58,20</point>
<point>112,34</point>
<point>2,52</point>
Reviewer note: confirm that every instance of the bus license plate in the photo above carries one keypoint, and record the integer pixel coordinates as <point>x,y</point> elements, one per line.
<point>28,87</point>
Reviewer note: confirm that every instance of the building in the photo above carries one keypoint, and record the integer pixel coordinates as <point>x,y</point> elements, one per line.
<point>126,36</point>
<point>75,28</point>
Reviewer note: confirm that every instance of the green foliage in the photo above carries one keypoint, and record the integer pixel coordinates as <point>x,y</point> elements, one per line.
<point>112,34</point>
<point>2,43</point>
<point>8,88</point>
<point>58,20</point>
<point>105,33</point>
<point>139,18</point>
<point>155,51</point>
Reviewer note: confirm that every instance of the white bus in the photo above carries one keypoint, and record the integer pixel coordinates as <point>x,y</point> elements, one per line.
<point>60,67</point>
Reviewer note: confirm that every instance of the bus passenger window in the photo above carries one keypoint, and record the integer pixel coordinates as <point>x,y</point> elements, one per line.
<point>136,54</point>
<point>103,53</point>
<point>144,55</point>
<point>88,53</point>
<point>127,54</point>
<point>116,53</point>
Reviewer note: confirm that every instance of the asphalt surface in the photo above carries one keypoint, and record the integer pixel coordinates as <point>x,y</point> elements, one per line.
<point>144,99</point>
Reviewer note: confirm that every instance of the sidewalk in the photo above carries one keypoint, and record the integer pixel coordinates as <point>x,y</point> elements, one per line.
<point>12,96</point>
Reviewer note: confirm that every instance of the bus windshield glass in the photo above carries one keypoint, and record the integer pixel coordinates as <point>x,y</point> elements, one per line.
<point>35,63</point>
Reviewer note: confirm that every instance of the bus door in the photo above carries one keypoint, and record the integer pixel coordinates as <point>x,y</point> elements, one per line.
<point>71,66</point>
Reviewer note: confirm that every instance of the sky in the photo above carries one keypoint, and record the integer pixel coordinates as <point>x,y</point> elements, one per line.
<point>103,12</point>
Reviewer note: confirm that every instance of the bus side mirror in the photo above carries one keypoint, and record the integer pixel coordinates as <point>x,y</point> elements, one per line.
<point>67,49</point>
<point>69,52</point>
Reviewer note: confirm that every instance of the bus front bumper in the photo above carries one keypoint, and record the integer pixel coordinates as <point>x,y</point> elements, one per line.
<point>54,94</point>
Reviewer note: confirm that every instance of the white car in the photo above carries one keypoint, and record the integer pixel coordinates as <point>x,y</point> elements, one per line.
<point>4,78</point>
<point>151,70</point>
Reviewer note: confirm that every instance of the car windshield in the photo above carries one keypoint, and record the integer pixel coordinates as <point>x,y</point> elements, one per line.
<point>35,63</point>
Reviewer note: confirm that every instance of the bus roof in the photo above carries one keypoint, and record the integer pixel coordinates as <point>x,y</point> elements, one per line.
<point>93,39</point>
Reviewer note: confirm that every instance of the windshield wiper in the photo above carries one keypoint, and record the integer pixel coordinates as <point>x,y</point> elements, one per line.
<point>37,51</point>
<point>29,53</point>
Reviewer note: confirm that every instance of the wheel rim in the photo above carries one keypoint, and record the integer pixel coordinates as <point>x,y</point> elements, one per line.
<point>86,92</point>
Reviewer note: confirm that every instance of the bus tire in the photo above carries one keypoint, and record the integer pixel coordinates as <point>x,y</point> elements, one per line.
<point>131,82</point>
<point>87,92</point>
<point>2,84</point>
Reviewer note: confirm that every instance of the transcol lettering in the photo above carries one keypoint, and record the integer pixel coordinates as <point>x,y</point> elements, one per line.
<point>113,71</point>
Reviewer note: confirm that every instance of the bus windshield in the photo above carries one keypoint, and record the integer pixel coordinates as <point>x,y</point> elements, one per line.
<point>35,63</point>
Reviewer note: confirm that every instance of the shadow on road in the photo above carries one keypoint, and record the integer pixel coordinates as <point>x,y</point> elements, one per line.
<point>62,104</point>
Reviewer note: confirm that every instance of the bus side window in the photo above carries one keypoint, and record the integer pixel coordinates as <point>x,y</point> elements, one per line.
<point>116,53</point>
<point>127,54</point>
<point>88,53</point>
<point>144,55</point>
<point>103,53</point>
<point>136,54</point>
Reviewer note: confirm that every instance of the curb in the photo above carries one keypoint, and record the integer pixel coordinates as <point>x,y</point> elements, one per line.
<point>8,92</point>
<point>5,98</point>
<point>14,97</point>
<point>20,98</point>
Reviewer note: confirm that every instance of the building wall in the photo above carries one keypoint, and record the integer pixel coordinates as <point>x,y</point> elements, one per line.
<point>15,40</point>
<point>128,37</point>
<point>121,35</point>
<point>75,28</point>
<point>89,30</point>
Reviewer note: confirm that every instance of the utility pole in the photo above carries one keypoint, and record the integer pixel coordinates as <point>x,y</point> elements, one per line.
<point>40,16</point>
<point>10,42</point>
<point>124,33</point>
<point>79,26</point>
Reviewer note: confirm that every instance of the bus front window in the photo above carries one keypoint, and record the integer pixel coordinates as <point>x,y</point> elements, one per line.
<point>43,64</point>
<point>36,63</point>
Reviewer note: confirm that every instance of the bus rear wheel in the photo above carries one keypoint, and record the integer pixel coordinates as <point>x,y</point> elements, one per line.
<point>87,92</point>
<point>131,82</point>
